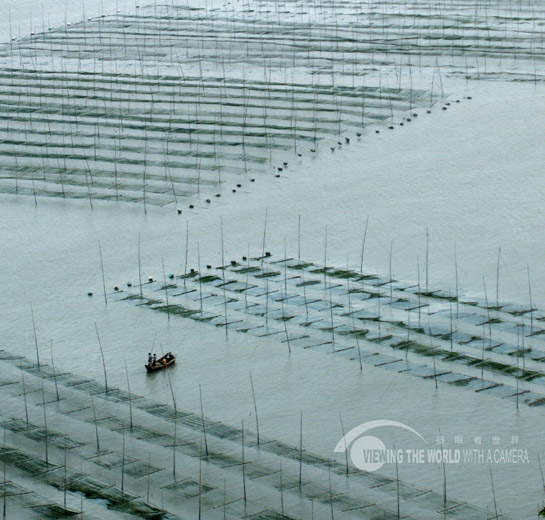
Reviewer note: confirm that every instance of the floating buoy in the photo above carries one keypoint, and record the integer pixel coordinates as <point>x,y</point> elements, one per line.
<point>191,206</point>
<point>89,293</point>
<point>409,120</point>
<point>391,127</point>
<point>234,191</point>
<point>299,154</point>
<point>401,124</point>
<point>313,150</point>
<point>469,97</point>
<point>285,163</point>
<point>150,279</point>
<point>116,288</point>
<point>208,266</point>
<point>347,140</point>
<point>429,111</point>
<point>129,284</point>
<point>359,134</point>
<point>444,108</point>
<point>208,201</point>
<point>239,185</point>
<point>192,270</point>
<point>377,131</point>
<point>277,175</point>
<point>267,253</point>
<point>415,114</point>
<point>252,180</point>
<point>244,258</point>
<point>179,212</point>
<point>332,148</point>
<point>171,276</point>
<point>280,169</point>
<point>448,104</point>
<point>233,262</point>
<point>339,143</point>
<point>218,194</point>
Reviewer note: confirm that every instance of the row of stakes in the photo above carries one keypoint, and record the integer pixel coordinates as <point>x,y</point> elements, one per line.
<point>171,275</point>
<point>339,143</point>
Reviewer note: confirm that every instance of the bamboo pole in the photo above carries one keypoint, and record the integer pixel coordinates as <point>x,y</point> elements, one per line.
<point>102,356</point>
<point>54,373</point>
<point>203,423</point>
<point>102,270</point>
<point>255,408</point>
<point>35,335</point>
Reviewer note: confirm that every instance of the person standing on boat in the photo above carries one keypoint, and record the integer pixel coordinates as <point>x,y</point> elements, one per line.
<point>154,360</point>
<point>150,358</point>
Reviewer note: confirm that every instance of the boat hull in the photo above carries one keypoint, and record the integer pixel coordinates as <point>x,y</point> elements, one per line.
<point>159,365</point>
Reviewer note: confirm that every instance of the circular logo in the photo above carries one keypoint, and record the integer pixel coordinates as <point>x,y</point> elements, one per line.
<point>368,453</point>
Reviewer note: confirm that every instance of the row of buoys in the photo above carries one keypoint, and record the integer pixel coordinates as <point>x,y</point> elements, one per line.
<point>339,143</point>
<point>218,195</point>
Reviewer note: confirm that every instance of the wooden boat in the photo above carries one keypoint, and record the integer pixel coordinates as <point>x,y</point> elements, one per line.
<point>159,365</point>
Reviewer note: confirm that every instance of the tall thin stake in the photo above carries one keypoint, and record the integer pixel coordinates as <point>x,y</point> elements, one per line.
<point>54,373</point>
<point>345,446</point>
<point>45,426</point>
<point>255,408</point>
<point>102,270</point>
<point>301,450</point>
<point>203,423</point>
<point>103,360</point>
<point>223,276</point>
<point>243,465</point>
<point>363,245</point>
<point>35,335</point>
<point>5,512</point>
<point>139,267</point>
<point>130,396</point>
<point>123,463</point>
<point>96,423</point>
<point>498,279</point>
<point>427,258</point>
<point>493,493</point>
<point>24,393</point>
<point>264,236</point>
<point>166,287</point>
